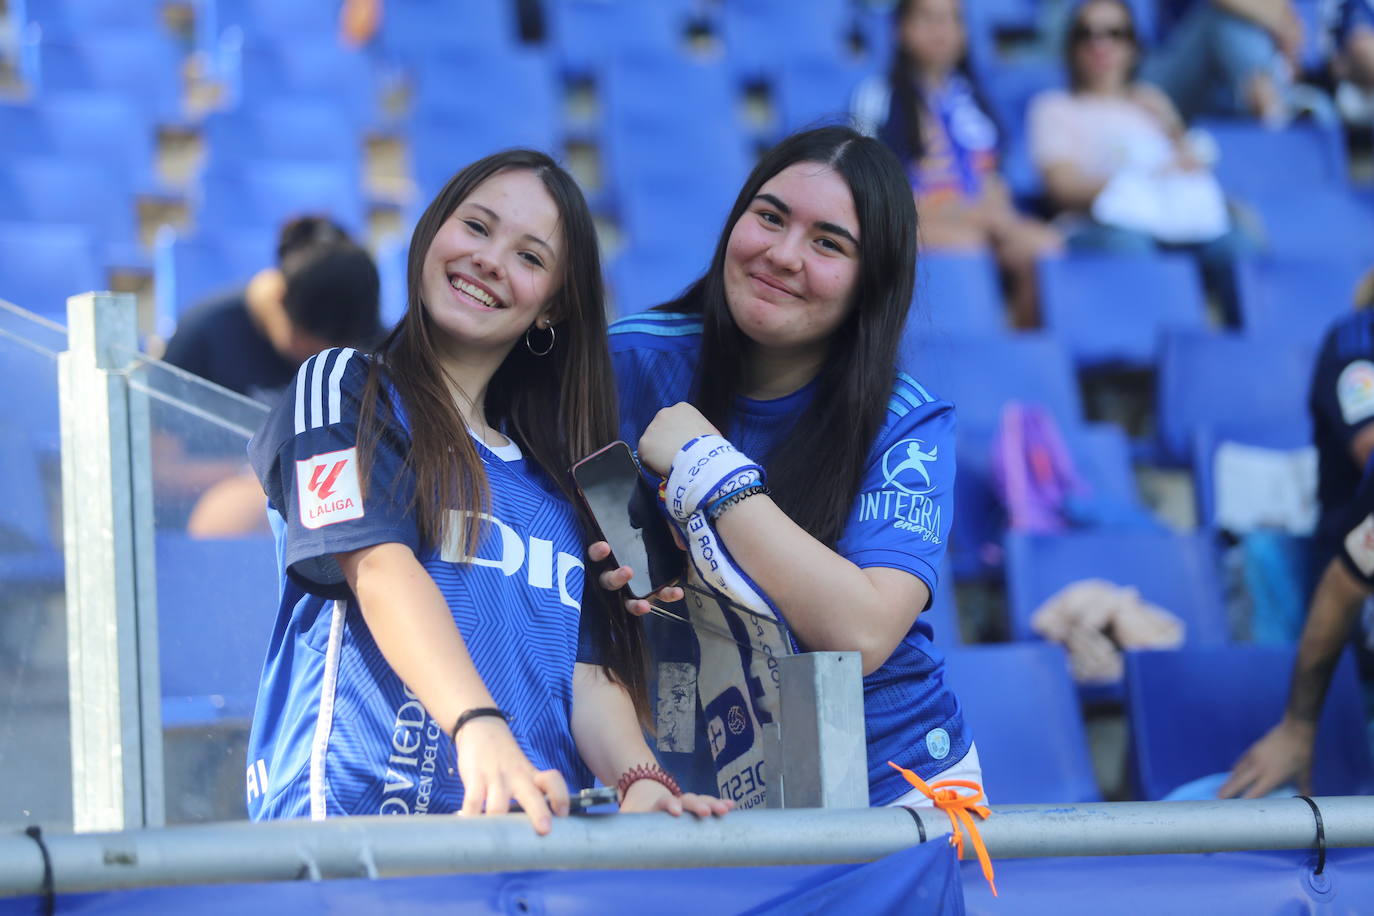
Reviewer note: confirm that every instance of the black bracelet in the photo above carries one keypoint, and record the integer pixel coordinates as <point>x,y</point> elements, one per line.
<point>717,509</point>
<point>476,713</point>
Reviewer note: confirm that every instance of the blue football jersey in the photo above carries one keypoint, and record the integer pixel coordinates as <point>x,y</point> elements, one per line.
<point>900,520</point>
<point>335,731</point>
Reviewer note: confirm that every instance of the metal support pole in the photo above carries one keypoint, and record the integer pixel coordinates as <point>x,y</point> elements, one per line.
<point>823,757</point>
<point>383,847</point>
<point>111,589</point>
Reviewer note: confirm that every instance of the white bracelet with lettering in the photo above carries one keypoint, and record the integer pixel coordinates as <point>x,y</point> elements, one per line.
<point>705,468</point>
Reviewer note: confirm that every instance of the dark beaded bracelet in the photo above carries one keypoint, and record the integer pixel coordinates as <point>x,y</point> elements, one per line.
<point>476,713</point>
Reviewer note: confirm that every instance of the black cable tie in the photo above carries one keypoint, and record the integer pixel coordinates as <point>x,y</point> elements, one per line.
<point>35,833</point>
<point>1321,834</point>
<point>920,824</point>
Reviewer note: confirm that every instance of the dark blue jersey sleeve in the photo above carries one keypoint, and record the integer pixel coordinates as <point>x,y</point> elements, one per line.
<point>902,516</point>
<point>306,457</point>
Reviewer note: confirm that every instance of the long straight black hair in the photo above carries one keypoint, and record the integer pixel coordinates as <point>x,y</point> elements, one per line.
<point>816,470</point>
<point>902,131</point>
<point>558,407</point>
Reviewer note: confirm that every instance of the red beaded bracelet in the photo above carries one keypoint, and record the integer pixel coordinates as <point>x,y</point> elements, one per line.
<point>646,771</point>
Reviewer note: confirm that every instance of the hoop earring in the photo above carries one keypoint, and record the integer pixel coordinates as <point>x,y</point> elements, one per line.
<point>547,350</point>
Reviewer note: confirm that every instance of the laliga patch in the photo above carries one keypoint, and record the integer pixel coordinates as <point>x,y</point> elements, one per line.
<point>327,487</point>
<point>1355,391</point>
<point>1359,544</point>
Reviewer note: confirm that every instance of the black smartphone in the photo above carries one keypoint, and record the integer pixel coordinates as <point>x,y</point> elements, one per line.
<point>625,507</point>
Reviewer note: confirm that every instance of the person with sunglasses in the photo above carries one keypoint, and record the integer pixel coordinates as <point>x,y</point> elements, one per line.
<point>1119,169</point>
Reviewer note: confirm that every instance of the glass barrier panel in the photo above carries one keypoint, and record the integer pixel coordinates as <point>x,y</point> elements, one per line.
<point>216,584</point>
<point>35,743</point>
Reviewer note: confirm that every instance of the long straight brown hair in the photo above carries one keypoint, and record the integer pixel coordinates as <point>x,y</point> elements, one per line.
<point>558,407</point>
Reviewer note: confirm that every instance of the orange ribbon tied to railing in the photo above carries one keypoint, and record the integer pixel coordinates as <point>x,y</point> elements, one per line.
<point>945,793</point>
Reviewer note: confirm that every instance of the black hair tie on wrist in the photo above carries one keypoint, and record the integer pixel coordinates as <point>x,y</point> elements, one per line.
<point>1321,834</point>
<point>476,713</point>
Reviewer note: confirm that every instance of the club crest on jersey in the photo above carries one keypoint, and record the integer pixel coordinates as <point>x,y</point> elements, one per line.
<point>327,488</point>
<point>1359,544</point>
<point>1355,391</point>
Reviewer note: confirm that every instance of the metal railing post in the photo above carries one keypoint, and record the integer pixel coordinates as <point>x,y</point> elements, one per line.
<point>821,757</point>
<point>111,589</point>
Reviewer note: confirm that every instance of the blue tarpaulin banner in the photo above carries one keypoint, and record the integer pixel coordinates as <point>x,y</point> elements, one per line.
<point>923,879</point>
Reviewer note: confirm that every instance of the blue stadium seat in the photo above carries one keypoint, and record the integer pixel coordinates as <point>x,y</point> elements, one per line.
<point>1194,711</point>
<point>760,33</point>
<point>88,17</point>
<point>980,374</point>
<point>1296,298</point>
<point>426,28</point>
<point>391,259</point>
<point>1178,572</point>
<point>41,264</point>
<point>187,270</point>
<point>1207,441</point>
<point>142,67</point>
<point>216,603</point>
<point>956,294</point>
<point>1315,222</point>
<point>263,194</point>
<point>320,69</point>
<point>687,159</point>
<point>815,90</point>
<point>1251,154</point>
<point>28,556</point>
<point>518,106</point>
<point>103,128</point>
<point>1019,701</point>
<point>274,20</point>
<point>74,192</point>
<point>1229,381</point>
<point>297,129</point>
<point>1111,310</point>
<point>588,34</point>
<point>643,277</point>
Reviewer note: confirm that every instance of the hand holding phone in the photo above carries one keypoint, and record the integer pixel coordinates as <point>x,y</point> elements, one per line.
<point>625,508</point>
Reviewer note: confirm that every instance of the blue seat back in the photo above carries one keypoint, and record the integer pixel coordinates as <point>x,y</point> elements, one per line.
<point>317,68</point>
<point>1194,711</point>
<point>1315,222</point>
<point>813,90</point>
<point>1019,701</point>
<point>1111,310</point>
<point>216,603</point>
<point>1178,572</point>
<point>1206,442</point>
<point>1251,154</point>
<point>759,33</point>
<point>1296,299</point>
<point>296,129</point>
<point>72,191</point>
<point>430,28</point>
<point>979,374</point>
<point>41,264</point>
<point>263,194</point>
<point>643,277</point>
<point>586,35</point>
<point>1213,381</point>
<point>956,294</point>
<point>142,67</point>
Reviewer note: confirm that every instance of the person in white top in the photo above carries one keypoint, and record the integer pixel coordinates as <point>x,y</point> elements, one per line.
<point>1119,169</point>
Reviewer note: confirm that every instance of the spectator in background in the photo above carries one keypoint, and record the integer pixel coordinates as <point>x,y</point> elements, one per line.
<point>1238,57</point>
<point>323,292</point>
<point>1117,164</point>
<point>1284,754</point>
<point>929,111</point>
<point>1350,25</point>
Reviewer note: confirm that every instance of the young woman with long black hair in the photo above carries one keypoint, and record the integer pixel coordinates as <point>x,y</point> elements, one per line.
<point>426,656</point>
<point>785,350</point>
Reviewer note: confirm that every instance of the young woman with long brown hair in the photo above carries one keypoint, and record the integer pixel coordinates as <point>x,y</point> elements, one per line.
<point>426,654</point>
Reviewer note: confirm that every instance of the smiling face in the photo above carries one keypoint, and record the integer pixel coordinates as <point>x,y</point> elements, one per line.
<point>494,264</point>
<point>793,260</point>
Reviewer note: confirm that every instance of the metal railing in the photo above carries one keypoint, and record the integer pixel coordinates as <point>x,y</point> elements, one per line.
<point>382,847</point>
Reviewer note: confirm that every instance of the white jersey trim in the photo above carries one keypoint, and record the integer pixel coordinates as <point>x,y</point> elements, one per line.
<point>324,724</point>
<point>325,398</point>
